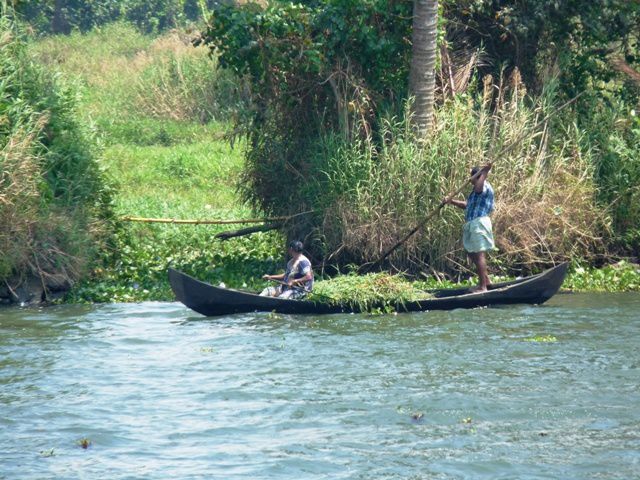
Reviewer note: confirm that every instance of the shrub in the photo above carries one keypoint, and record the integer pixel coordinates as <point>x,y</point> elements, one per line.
<point>613,137</point>
<point>54,200</point>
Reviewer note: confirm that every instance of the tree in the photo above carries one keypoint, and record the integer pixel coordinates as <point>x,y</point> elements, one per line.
<point>422,76</point>
<point>532,35</point>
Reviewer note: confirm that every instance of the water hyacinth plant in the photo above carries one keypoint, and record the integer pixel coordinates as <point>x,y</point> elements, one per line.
<point>619,277</point>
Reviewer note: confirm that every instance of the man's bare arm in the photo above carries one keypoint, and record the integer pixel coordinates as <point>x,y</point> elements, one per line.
<point>456,203</point>
<point>274,277</point>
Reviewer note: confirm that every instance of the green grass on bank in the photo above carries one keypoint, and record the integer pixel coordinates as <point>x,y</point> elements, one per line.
<point>188,180</point>
<point>163,165</point>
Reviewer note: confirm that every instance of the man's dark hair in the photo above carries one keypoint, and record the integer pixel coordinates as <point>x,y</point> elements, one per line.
<point>296,246</point>
<point>474,170</point>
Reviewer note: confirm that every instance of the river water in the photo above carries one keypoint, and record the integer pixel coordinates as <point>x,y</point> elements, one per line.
<point>157,391</point>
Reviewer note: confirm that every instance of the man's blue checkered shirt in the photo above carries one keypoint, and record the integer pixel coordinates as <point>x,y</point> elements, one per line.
<point>479,204</point>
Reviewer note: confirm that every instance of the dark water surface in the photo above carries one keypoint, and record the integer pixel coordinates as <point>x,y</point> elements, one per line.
<point>550,392</point>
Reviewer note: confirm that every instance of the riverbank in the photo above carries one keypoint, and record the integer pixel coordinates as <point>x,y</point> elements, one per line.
<point>619,277</point>
<point>166,157</point>
<point>134,282</point>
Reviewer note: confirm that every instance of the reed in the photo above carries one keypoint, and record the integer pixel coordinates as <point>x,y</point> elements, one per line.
<point>377,189</point>
<point>19,197</point>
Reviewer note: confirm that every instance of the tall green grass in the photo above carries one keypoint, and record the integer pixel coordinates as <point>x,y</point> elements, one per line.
<point>103,63</point>
<point>184,83</point>
<point>376,189</point>
<point>134,81</point>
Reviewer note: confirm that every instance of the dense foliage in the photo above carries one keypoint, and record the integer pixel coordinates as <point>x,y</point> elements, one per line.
<point>286,47</point>
<point>54,16</point>
<point>322,86</point>
<point>309,68</point>
<point>54,199</point>
<point>324,76</point>
<point>532,35</point>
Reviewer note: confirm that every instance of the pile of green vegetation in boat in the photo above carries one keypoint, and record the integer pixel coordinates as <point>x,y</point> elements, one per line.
<point>368,292</point>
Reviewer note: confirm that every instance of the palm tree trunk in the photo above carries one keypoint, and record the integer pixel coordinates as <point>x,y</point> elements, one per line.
<point>59,23</point>
<point>422,77</point>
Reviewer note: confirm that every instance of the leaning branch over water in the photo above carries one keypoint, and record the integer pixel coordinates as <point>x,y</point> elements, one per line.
<point>247,231</point>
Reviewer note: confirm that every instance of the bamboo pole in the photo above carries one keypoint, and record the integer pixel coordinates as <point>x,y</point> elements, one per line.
<point>210,222</point>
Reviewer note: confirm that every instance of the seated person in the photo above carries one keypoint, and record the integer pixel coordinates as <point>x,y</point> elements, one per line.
<point>297,280</point>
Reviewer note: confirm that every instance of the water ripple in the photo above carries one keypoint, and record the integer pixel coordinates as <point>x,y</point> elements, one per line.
<point>160,392</point>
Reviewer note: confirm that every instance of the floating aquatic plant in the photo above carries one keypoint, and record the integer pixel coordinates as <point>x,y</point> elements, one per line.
<point>274,316</point>
<point>542,339</point>
<point>84,443</point>
<point>417,417</point>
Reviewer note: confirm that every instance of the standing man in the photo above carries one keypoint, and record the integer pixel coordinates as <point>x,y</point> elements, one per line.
<point>297,280</point>
<point>477,234</point>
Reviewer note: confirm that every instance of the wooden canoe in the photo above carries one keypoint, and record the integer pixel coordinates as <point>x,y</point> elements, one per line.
<point>209,300</point>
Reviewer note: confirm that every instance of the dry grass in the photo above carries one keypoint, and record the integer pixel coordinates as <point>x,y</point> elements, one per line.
<point>546,206</point>
<point>95,58</point>
<point>19,197</point>
<point>174,82</point>
<point>30,240</point>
